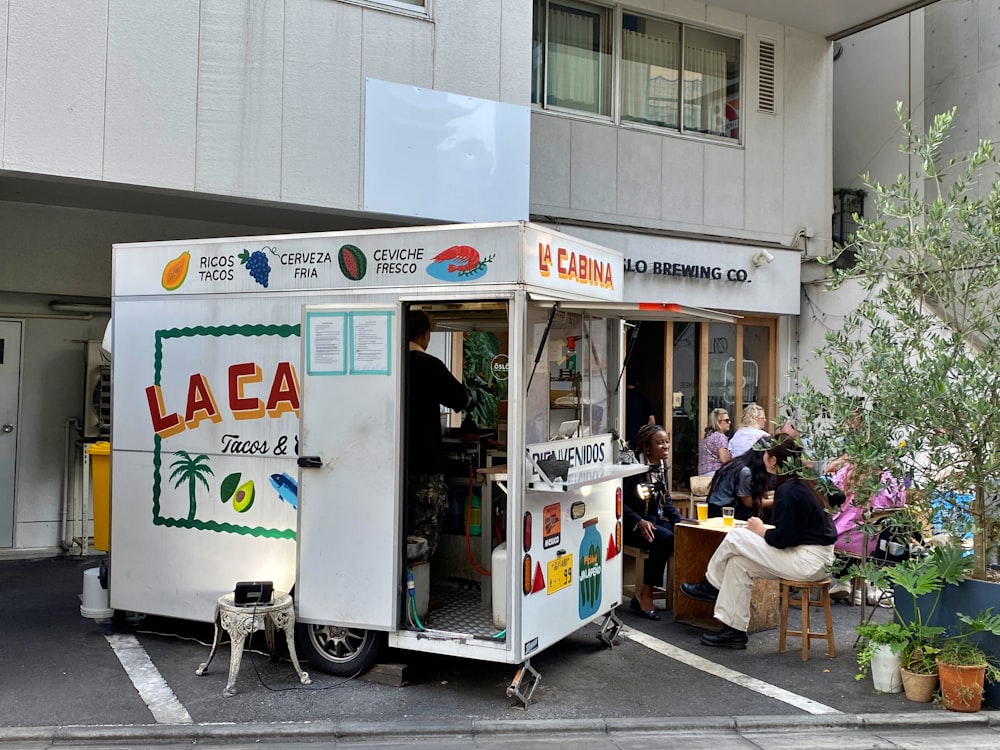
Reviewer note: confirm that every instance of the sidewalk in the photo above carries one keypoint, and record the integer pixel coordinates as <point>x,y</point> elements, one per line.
<point>949,732</point>
<point>62,682</point>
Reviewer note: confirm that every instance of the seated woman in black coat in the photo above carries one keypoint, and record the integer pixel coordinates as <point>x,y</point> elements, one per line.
<point>742,484</point>
<point>649,514</point>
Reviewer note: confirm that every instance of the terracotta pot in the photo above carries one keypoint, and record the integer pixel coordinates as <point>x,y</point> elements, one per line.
<point>962,687</point>
<point>919,688</point>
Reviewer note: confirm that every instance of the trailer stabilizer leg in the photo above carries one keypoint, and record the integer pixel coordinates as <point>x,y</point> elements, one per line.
<point>523,685</point>
<point>610,628</point>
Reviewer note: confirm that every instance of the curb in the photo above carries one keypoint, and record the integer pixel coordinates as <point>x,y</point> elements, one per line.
<point>330,730</point>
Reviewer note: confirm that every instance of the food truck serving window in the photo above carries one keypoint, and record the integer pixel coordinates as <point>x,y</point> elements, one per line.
<point>569,393</point>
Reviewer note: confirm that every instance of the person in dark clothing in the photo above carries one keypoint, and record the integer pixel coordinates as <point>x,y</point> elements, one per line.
<point>649,514</point>
<point>638,412</point>
<point>741,484</point>
<point>430,386</point>
<point>799,546</point>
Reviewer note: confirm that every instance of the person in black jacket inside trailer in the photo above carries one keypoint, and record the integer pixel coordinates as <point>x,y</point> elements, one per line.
<point>430,386</point>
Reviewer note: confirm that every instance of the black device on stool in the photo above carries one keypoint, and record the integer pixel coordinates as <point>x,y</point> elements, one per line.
<point>253,592</point>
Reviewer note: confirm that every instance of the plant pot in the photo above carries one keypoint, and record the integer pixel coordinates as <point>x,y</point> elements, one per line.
<point>885,670</point>
<point>962,687</point>
<point>919,688</point>
<point>969,596</point>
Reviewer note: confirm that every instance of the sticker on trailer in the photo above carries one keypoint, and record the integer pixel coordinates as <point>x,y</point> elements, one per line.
<point>591,568</point>
<point>560,573</point>
<point>551,526</point>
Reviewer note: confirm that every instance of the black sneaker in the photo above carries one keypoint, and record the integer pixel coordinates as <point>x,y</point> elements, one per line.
<point>726,638</point>
<point>703,592</point>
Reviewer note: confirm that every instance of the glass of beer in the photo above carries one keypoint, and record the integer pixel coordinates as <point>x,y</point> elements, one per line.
<point>702,509</point>
<point>728,514</point>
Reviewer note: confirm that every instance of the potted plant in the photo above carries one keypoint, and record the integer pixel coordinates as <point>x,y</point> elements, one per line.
<point>917,584</point>
<point>919,670</point>
<point>963,667</point>
<point>909,380</point>
<point>881,646</point>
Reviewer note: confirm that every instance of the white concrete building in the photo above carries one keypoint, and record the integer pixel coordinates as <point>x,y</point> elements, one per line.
<point>695,136</point>
<point>945,55</point>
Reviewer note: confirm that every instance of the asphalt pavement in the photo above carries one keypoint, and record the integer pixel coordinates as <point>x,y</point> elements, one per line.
<point>65,680</point>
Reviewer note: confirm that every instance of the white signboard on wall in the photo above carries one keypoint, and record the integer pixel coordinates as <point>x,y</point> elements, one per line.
<point>443,156</point>
<point>712,275</point>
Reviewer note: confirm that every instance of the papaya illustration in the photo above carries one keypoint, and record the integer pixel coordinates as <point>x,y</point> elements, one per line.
<point>176,271</point>
<point>243,497</point>
<point>353,263</point>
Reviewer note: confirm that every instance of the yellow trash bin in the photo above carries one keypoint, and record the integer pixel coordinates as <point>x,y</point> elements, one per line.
<point>100,491</point>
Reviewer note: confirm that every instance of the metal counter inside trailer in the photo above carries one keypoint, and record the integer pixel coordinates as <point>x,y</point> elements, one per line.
<point>259,402</point>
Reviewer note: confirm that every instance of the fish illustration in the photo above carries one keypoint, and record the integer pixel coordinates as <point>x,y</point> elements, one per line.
<point>467,256</point>
<point>288,489</point>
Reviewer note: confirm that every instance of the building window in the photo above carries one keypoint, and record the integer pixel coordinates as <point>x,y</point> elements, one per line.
<point>650,77</point>
<point>670,74</point>
<point>577,55</point>
<point>688,368</point>
<point>406,5</point>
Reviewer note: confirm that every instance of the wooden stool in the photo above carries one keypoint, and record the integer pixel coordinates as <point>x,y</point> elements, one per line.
<point>640,555</point>
<point>804,602</point>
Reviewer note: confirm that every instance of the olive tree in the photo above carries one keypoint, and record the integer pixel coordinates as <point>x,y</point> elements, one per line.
<point>914,372</point>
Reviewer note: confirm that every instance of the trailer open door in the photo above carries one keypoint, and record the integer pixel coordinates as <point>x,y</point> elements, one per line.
<point>349,477</point>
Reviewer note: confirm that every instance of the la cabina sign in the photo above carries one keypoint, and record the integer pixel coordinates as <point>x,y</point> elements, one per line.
<point>572,266</point>
<point>581,268</point>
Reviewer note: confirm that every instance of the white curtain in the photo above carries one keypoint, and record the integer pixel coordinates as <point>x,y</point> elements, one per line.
<point>705,90</point>
<point>648,78</point>
<point>574,66</point>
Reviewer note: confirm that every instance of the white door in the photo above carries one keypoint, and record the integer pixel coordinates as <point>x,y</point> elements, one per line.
<point>349,535</point>
<point>10,389</point>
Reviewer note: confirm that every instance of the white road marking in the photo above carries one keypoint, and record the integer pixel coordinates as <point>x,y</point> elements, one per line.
<point>153,689</point>
<point>731,675</point>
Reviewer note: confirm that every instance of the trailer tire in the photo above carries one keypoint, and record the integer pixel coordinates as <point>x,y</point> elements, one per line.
<point>342,651</point>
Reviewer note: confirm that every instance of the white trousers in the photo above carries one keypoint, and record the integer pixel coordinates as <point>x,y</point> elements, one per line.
<point>743,556</point>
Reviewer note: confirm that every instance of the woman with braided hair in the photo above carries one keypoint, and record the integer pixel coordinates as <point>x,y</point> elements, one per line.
<point>649,513</point>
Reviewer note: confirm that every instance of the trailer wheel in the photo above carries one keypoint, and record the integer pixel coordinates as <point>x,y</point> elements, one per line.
<point>338,650</point>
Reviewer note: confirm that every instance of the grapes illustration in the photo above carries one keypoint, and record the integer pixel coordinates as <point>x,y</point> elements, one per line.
<point>257,265</point>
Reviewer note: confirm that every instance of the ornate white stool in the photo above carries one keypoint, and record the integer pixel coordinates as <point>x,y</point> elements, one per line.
<point>241,620</point>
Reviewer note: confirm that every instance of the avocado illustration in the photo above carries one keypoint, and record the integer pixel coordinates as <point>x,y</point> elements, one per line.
<point>243,497</point>
<point>229,486</point>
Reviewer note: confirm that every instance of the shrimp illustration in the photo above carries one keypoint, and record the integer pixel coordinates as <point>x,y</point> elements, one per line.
<point>468,256</point>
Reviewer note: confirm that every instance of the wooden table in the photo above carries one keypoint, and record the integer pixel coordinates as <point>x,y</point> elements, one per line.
<point>694,544</point>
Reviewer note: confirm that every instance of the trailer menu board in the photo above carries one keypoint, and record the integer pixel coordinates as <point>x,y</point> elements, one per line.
<point>484,254</point>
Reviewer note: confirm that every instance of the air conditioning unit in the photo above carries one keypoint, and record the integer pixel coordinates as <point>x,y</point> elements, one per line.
<point>96,392</point>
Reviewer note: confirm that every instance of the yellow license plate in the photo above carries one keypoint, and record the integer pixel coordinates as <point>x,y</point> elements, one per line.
<point>560,573</point>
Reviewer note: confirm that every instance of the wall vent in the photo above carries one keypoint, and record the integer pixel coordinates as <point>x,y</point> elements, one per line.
<point>765,101</point>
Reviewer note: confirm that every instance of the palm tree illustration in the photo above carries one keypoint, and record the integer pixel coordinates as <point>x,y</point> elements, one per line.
<point>192,471</point>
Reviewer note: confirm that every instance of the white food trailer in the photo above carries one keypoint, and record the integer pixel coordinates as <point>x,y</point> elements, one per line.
<point>259,407</point>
